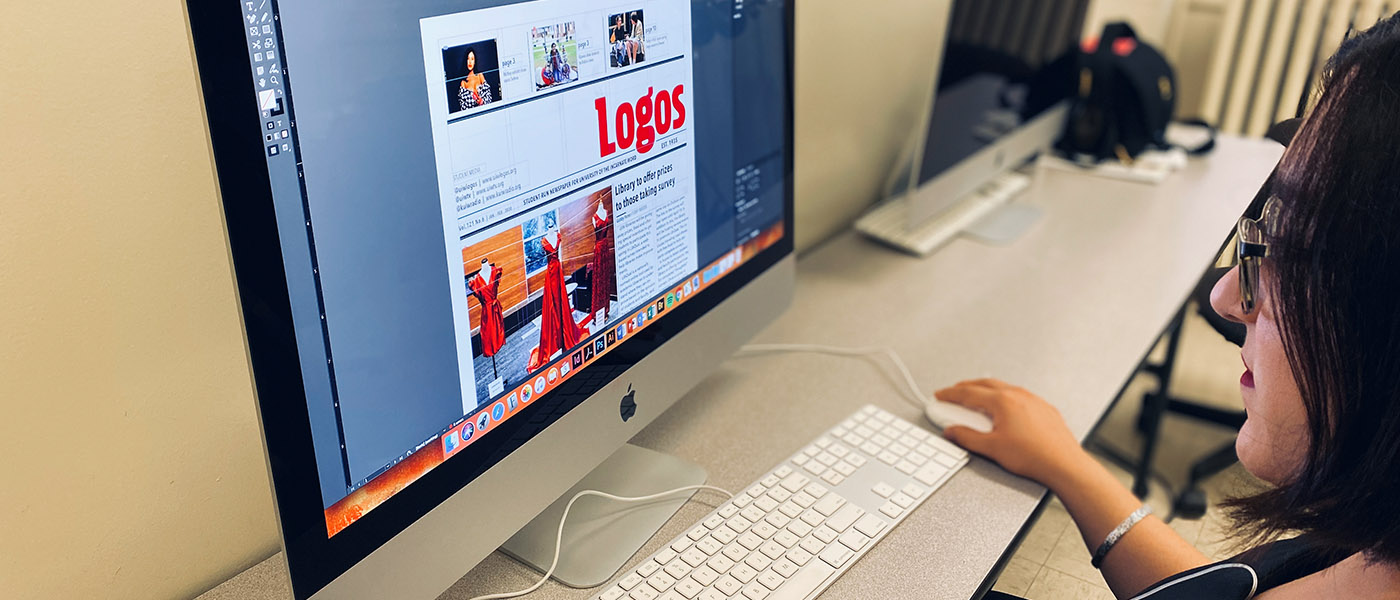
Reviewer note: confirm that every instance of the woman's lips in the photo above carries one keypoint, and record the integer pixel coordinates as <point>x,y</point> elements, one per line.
<point>1247,379</point>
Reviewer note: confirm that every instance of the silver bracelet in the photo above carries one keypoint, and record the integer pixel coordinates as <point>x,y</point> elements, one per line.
<point>1118,532</point>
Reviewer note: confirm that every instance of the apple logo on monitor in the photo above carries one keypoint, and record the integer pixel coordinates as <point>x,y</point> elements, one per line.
<point>629,404</point>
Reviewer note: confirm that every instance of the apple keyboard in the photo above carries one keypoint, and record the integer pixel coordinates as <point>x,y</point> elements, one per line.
<point>805,522</point>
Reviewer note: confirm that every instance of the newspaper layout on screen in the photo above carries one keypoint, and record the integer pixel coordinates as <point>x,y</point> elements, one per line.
<point>565,161</point>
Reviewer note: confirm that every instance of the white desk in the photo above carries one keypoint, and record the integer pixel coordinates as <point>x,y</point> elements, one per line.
<point>1069,311</point>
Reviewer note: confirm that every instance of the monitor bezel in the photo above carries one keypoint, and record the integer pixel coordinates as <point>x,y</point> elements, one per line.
<point>315,559</point>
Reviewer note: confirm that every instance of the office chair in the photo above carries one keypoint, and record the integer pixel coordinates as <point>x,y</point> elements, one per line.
<point>1191,501</point>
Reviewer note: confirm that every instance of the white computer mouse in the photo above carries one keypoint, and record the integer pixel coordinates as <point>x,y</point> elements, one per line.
<point>947,414</point>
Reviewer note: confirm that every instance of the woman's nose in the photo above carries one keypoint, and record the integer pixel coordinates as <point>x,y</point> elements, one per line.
<point>1225,297</point>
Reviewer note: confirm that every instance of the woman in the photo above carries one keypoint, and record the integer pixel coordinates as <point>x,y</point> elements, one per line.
<point>474,90</point>
<point>1318,291</point>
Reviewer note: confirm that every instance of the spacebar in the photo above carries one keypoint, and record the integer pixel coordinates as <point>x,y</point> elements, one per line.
<point>806,581</point>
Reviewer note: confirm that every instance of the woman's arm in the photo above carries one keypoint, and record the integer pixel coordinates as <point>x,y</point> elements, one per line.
<point>1029,438</point>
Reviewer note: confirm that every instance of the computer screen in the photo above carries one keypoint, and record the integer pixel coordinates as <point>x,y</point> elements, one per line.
<point>1005,62</point>
<point>479,202</point>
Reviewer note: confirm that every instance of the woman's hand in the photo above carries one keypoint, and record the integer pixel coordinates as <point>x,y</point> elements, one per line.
<point>1028,437</point>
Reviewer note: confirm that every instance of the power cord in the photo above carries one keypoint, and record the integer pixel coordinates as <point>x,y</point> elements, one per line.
<point>912,392</point>
<point>559,537</point>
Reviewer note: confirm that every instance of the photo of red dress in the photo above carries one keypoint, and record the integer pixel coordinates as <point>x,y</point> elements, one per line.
<point>558,331</point>
<point>603,284</point>
<point>487,292</point>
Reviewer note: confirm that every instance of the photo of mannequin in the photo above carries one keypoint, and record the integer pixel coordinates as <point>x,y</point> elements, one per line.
<point>558,330</point>
<point>604,266</point>
<point>485,286</point>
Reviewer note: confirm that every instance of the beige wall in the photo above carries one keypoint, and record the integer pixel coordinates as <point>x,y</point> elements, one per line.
<point>135,468</point>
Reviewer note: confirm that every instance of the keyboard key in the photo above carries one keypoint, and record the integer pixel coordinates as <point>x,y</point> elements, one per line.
<point>766,504</point>
<point>813,518</point>
<point>853,539</point>
<point>870,448</point>
<point>695,557</point>
<point>870,525</point>
<point>763,530</point>
<point>891,509</point>
<point>838,450</point>
<point>770,481</point>
<point>790,509</point>
<point>728,510</point>
<point>753,513</point>
<point>844,468</point>
<point>926,449</point>
<point>880,439</point>
<point>828,505</point>
<point>826,458</point>
<point>916,458</point>
<point>689,588</point>
<point>720,564</point>
<point>756,592</point>
<point>900,424</point>
<point>709,546</point>
<point>644,592</point>
<point>946,447</point>
<point>811,450</point>
<point>666,555</point>
<point>839,431</point>
<point>728,585</point>
<point>661,582</point>
<point>630,581</point>
<point>899,448</point>
<point>890,432</point>
<point>798,556</point>
<point>704,575</point>
<point>803,499</point>
<point>822,442</point>
<point>864,431</point>
<point>786,539</point>
<point>724,535</point>
<point>697,533</point>
<point>799,528</point>
<point>757,491</point>
<point>783,471</point>
<point>914,490</point>
<point>883,416</point>
<point>906,467</point>
<point>836,555</point>
<point>856,460</point>
<point>883,490</point>
<point>852,439</point>
<point>908,440</point>
<point>918,434</point>
<point>758,561</point>
<point>680,545</point>
<point>800,459</point>
<point>795,482</point>
<point>815,490</point>
<point>750,541</point>
<point>824,534</point>
<point>929,474</point>
<point>780,494</point>
<point>833,478</point>
<point>784,567</point>
<point>712,594</point>
<point>778,520</point>
<point>770,579</point>
<point>742,500</point>
<point>813,545</point>
<point>735,552</point>
<point>903,500</point>
<point>713,522</point>
<point>743,573</point>
<point>887,457</point>
<point>613,593</point>
<point>772,549</point>
<point>946,460</point>
<point>678,569</point>
<point>845,517</point>
<point>814,467</point>
<point>739,524</point>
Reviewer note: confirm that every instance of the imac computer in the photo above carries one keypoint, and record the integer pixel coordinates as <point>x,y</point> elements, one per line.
<point>1005,75</point>
<point>479,245</point>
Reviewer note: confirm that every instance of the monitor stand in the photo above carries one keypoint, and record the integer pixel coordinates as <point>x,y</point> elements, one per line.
<point>601,534</point>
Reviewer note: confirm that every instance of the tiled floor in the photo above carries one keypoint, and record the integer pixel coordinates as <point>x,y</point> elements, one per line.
<point>1052,562</point>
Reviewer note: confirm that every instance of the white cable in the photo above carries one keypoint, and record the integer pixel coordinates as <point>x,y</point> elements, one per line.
<point>559,537</point>
<point>914,394</point>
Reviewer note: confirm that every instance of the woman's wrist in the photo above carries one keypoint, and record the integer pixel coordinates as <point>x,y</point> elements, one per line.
<point>1072,469</point>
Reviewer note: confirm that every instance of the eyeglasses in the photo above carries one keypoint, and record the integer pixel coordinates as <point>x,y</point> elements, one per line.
<point>1251,246</point>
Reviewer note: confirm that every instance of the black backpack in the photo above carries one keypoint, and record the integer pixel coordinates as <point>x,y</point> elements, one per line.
<point>1126,96</point>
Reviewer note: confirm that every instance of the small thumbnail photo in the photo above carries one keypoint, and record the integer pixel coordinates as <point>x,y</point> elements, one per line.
<point>625,39</point>
<point>473,75</point>
<point>554,51</point>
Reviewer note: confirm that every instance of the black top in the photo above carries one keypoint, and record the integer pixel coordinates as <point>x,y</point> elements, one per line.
<point>1250,573</point>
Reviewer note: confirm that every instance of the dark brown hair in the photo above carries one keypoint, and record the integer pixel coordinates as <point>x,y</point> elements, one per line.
<point>1334,280</point>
